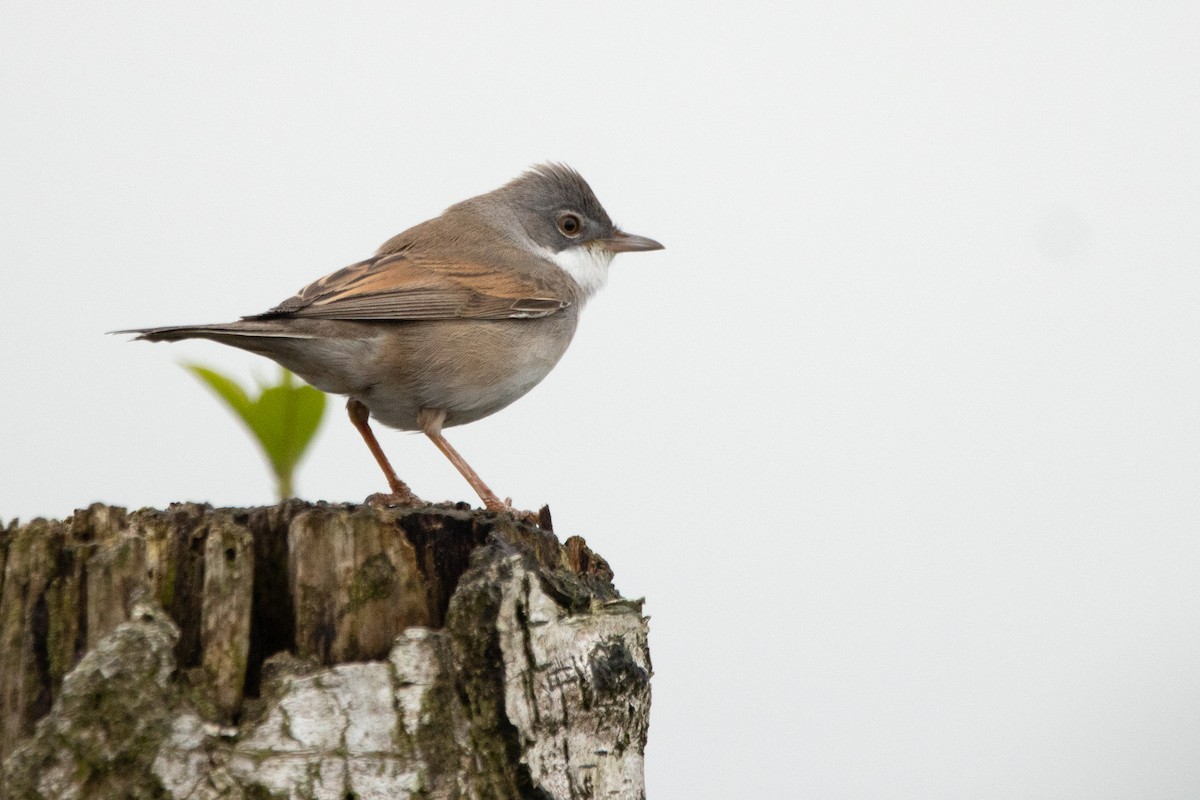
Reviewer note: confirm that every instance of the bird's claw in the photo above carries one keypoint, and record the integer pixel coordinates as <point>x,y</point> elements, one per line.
<point>394,499</point>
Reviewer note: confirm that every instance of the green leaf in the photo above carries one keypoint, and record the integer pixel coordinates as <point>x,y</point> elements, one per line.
<point>225,388</point>
<point>283,418</point>
<point>286,418</point>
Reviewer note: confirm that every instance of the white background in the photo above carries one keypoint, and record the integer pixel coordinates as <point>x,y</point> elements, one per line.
<point>899,437</point>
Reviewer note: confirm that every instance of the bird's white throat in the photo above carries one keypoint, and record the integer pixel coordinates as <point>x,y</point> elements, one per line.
<point>587,266</point>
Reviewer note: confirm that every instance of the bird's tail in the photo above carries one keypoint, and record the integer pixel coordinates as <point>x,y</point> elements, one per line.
<point>227,333</point>
<point>302,346</point>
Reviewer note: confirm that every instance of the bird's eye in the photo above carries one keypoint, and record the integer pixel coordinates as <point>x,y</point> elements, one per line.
<point>570,224</point>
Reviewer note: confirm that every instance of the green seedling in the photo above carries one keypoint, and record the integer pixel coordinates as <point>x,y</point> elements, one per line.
<point>282,419</point>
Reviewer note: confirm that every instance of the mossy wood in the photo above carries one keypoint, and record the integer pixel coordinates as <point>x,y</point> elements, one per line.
<point>315,651</point>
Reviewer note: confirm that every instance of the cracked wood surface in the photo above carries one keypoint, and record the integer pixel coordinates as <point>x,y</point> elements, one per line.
<point>315,651</point>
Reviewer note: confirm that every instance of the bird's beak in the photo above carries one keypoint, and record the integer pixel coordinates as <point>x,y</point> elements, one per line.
<point>621,242</point>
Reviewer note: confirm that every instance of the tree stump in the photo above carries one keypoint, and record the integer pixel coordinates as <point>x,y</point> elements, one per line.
<point>315,651</point>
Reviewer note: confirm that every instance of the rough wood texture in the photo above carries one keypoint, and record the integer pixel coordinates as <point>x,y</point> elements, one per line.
<point>315,651</point>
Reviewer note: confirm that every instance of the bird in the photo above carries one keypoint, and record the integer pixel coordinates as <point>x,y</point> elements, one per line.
<point>449,321</point>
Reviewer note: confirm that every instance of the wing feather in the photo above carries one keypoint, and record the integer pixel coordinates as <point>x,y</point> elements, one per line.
<point>404,286</point>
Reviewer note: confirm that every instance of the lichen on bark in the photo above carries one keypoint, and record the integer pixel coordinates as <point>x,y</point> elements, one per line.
<point>109,720</point>
<point>315,651</point>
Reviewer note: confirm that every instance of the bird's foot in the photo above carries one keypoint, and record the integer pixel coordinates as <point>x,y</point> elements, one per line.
<point>540,518</point>
<point>394,499</point>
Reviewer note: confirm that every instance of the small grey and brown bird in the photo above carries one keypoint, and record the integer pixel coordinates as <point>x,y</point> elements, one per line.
<point>449,321</point>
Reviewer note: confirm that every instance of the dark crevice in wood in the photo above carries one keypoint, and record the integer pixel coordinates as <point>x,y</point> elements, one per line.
<point>81,625</point>
<point>272,611</point>
<point>39,631</point>
<point>443,547</point>
<point>186,585</point>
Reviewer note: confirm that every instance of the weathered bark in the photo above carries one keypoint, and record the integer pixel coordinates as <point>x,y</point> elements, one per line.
<point>315,651</point>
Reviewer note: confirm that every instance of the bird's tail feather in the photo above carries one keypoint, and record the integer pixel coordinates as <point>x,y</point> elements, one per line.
<point>220,332</point>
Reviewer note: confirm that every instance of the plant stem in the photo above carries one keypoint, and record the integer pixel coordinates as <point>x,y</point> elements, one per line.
<point>285,486</point>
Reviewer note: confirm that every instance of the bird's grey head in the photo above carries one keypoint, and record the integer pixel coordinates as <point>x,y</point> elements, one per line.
<point>551,211</point>
<point>556,208</point>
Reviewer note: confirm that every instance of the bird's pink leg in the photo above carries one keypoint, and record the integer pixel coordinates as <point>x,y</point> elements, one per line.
<point>401,494</point>
<point>431,421</point>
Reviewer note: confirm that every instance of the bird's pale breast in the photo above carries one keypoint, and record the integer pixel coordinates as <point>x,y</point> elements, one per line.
<point>470,368</point>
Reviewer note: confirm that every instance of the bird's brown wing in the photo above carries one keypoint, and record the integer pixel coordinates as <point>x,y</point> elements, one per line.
<point>403,286</point>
